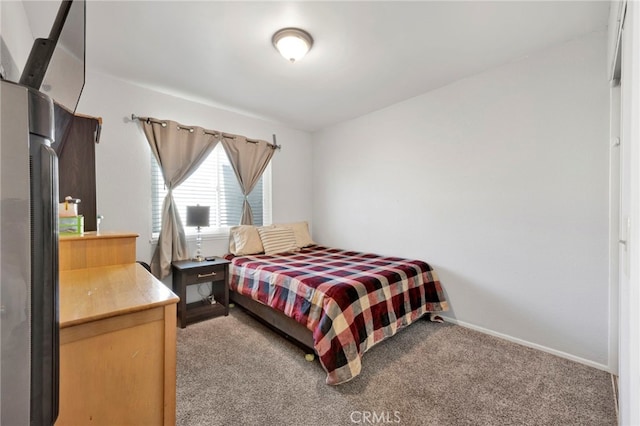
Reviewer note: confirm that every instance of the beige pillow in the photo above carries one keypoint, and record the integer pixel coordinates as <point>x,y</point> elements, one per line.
<point>277,239</point>
<point>244,240</point>
<point>301,232</point>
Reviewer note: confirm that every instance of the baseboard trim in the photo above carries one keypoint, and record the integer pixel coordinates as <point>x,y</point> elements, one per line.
<point>528,344</point>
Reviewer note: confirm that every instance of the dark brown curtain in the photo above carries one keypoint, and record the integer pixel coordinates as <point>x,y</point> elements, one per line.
<point>75,145</point>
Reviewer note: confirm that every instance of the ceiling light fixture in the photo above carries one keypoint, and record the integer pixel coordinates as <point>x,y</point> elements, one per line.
<point>292,43</point>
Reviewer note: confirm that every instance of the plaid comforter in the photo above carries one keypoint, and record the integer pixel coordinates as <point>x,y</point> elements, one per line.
<point>349,300</point>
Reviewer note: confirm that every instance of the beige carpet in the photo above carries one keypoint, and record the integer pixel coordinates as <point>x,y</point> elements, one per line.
<point>234,371</point>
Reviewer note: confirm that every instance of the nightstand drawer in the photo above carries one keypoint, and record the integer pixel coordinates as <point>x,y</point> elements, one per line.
<point>206,275</point>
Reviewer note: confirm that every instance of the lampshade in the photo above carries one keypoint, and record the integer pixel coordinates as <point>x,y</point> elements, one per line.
<point>198,216</point>
<point>292,43</point>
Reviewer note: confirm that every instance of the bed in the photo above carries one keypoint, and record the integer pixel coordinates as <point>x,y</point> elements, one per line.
<point>338,302</point>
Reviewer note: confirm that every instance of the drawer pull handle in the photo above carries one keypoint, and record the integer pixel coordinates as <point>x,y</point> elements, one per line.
<point>212,274</point>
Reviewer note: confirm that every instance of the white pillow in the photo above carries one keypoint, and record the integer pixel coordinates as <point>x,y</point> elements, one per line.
<point>301,232</point>
<point>244,240</point>
<point>277,239</point>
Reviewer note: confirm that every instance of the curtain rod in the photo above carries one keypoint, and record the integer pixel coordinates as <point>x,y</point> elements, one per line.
<point>214,133</point>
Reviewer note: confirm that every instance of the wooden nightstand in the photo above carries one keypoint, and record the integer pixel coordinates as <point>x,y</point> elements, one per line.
<point>189,272</point>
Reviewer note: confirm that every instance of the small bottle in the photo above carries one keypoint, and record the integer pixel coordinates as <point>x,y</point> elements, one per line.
<point>98,220</point>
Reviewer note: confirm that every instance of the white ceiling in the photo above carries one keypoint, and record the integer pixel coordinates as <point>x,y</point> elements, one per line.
<point>366,56</point>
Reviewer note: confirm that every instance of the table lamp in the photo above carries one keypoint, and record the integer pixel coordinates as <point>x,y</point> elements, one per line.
<point>198,216</point>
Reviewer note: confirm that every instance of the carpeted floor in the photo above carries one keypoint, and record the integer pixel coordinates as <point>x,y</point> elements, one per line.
<point>234,371</point>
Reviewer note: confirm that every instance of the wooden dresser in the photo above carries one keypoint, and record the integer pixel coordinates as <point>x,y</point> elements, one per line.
<point>90,250</point>
<point>117,336</point>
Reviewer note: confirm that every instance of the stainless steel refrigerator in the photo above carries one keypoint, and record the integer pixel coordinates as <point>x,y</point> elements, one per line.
<point>29,325</point>
<point>28,258</point>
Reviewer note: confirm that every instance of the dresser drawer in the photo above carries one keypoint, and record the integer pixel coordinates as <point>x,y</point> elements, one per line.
<point>206,275</point>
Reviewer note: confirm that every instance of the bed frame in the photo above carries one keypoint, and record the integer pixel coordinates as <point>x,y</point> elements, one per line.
<point>277,321</point>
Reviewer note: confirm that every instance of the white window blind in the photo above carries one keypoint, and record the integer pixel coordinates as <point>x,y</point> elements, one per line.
<point>214,184</point>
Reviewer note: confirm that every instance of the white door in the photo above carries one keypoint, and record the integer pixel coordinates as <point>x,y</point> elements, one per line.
<point>629,272</point>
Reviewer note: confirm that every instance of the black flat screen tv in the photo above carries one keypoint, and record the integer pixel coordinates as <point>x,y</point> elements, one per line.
<point>56,64</point>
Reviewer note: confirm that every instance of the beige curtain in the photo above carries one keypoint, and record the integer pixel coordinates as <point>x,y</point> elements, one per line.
<point>179,151</point>
<point>249,159</point>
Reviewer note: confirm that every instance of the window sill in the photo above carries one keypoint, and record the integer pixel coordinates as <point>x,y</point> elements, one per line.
<point>219,234</point>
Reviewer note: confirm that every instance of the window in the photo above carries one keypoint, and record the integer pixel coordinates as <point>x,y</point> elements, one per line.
<point>214,184</point>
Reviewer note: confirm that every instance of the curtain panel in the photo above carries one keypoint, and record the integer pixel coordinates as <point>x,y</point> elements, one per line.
<point>249,159</point>
<point>179,150</point>
<point>75,144</point>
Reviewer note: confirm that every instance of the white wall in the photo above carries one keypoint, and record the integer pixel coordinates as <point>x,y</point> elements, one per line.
<point>15,37</point>
<point>123,157</point>
<point>499,181</point>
